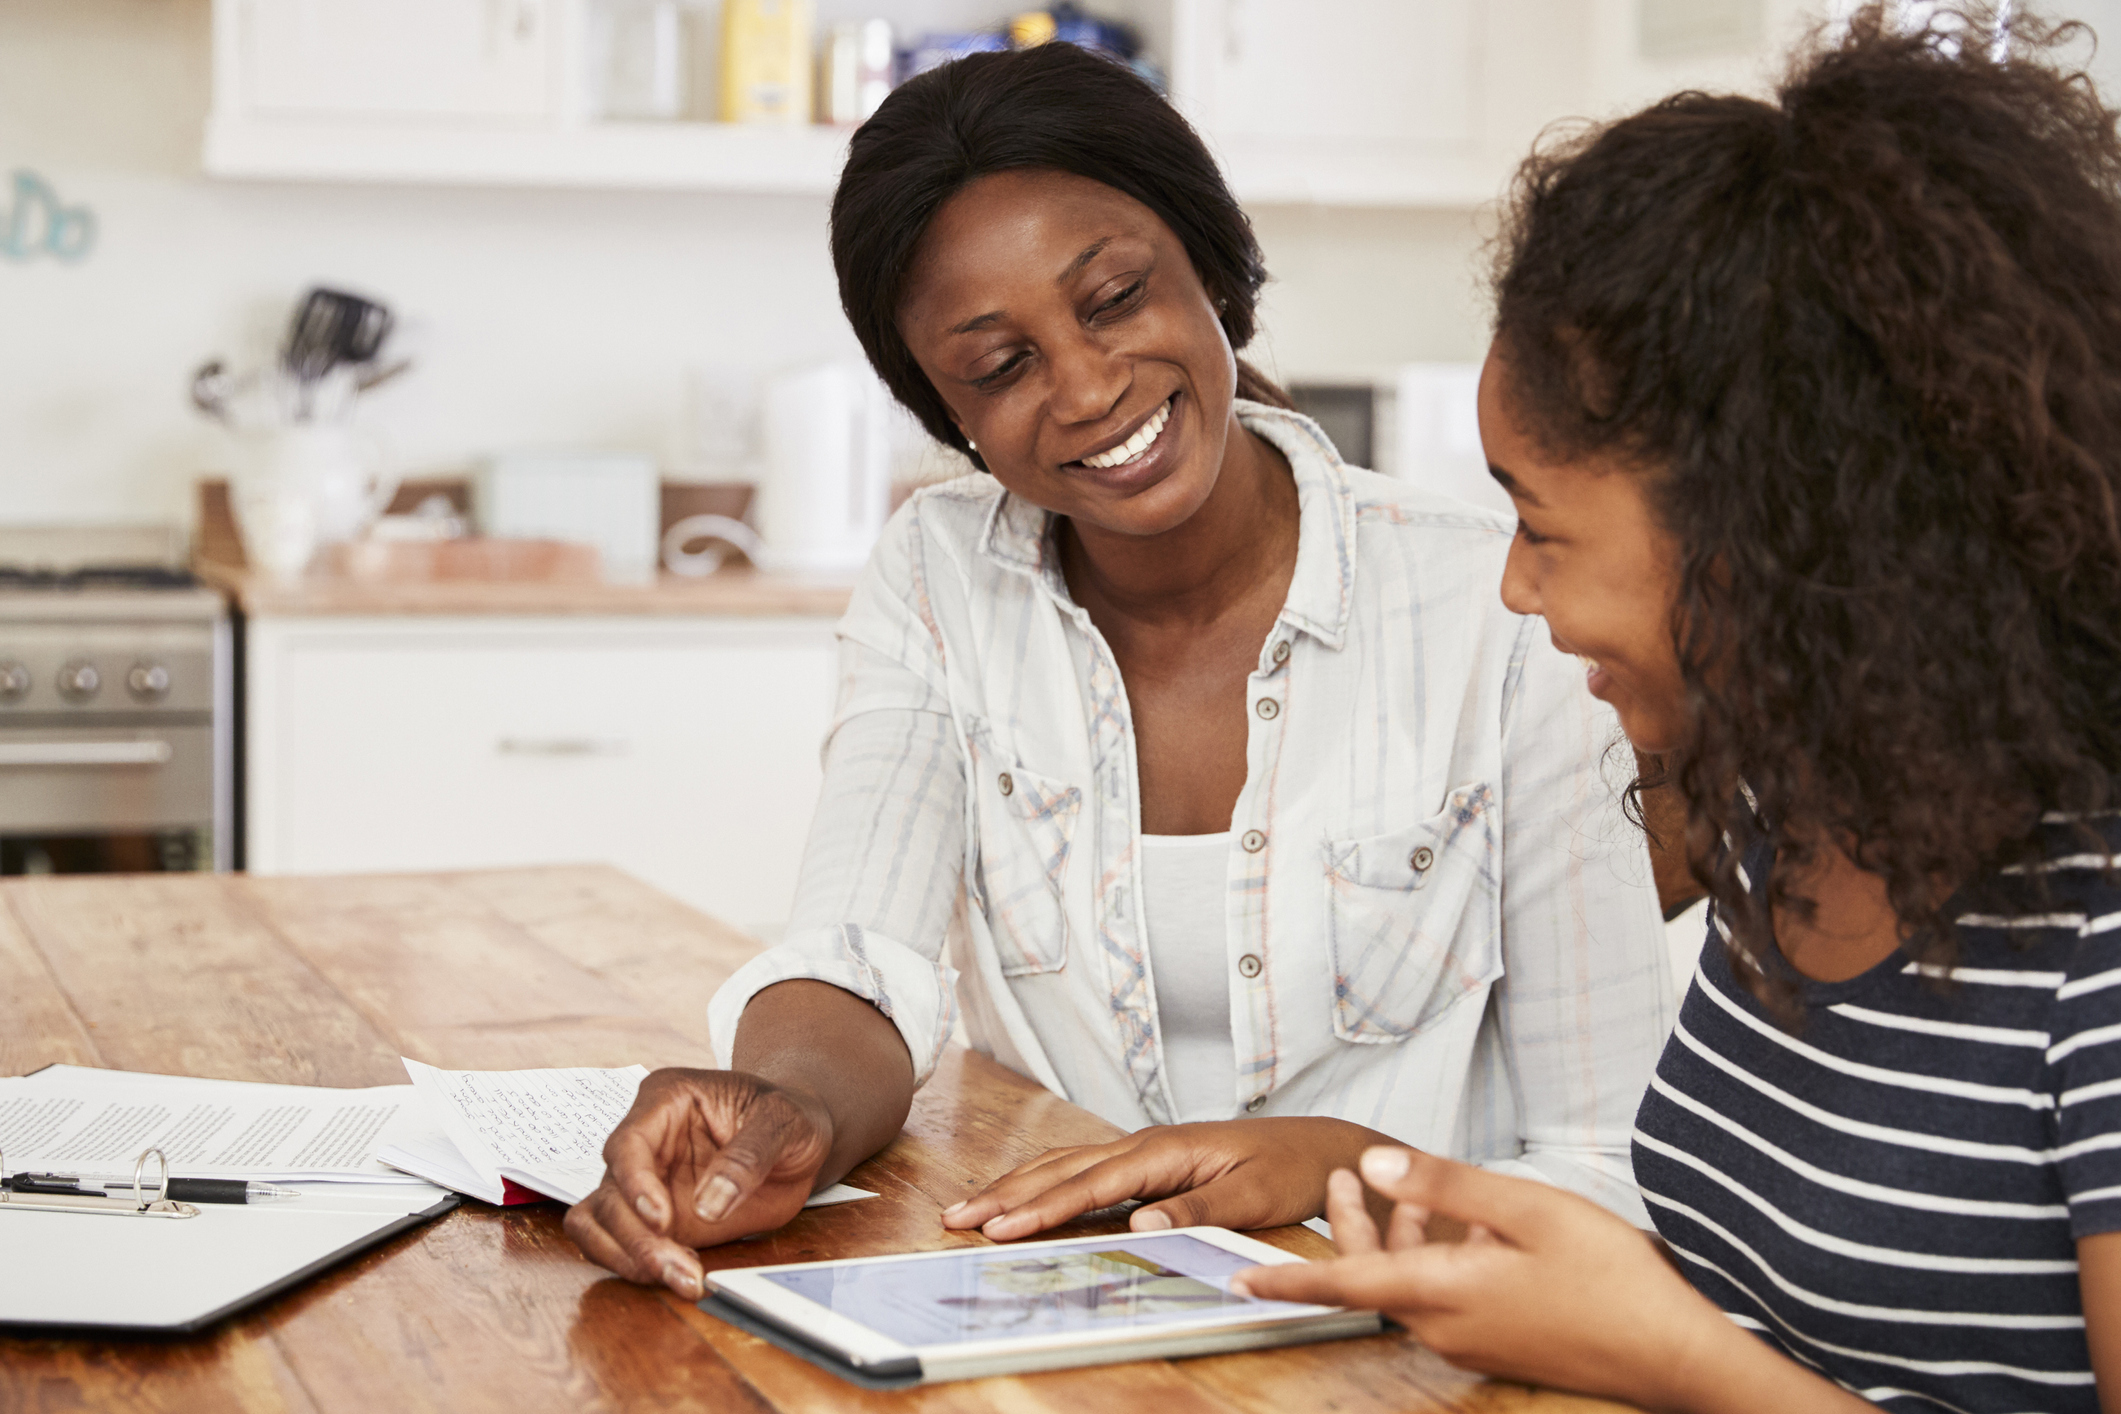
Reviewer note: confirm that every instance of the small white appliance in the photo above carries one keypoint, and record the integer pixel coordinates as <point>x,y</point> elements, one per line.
<point>827,485</point>
<point>611,500</point>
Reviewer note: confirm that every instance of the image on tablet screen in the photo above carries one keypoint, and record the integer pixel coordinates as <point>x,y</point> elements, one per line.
<point>997,1293</point>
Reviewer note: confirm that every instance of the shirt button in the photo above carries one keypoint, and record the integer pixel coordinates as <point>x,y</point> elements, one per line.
<point>1268,709</point>
<point>1254,1105</point>
<point>1281,652</point>
<point>1421,859</point>
<point>1248,965</point>
<point>1007,785</point>
<point>1253,841</point>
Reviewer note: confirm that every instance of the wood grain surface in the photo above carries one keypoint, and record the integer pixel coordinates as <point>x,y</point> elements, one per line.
<point>329,981</point>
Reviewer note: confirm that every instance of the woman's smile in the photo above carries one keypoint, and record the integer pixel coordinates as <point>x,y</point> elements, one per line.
<point>1138,460</point>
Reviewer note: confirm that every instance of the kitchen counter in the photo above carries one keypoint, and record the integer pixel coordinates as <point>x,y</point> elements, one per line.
<point>731,593</point>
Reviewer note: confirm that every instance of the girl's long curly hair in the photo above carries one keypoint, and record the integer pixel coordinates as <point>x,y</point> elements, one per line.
<point>1865,342</point>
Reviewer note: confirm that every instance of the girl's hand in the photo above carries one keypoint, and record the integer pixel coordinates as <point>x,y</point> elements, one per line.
<point>1241,1173</point>
<point>1547,1288</point>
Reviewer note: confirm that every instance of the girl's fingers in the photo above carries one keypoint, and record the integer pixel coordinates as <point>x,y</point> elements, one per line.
<point>1373,1281</point>
<point>1407,1228</point>
<point>1516,1210</point>
<point>1354,1231</point>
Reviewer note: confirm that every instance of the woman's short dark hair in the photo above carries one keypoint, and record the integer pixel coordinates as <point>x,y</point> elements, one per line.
<point>1056,107</point>
<point>1864,340</point>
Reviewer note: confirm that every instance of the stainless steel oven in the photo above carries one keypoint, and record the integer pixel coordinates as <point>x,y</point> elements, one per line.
<point>114,688</point>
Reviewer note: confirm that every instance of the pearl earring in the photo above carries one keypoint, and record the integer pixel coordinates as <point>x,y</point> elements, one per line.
<point>970,445</point>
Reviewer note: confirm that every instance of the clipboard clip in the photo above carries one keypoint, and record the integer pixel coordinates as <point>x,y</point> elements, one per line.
<point>141,1206</point>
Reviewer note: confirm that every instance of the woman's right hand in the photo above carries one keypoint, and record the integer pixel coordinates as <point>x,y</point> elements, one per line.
<point>703,1157</point>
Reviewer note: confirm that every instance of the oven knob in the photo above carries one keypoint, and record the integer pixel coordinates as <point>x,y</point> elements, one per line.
<point>14,681</point>
<point>78,681</point>
<point>148,681</point>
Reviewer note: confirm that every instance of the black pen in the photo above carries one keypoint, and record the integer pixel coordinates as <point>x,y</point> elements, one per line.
<point>181,1190</point>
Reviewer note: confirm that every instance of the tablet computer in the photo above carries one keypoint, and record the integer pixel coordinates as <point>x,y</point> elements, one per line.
<point>969,1312</point>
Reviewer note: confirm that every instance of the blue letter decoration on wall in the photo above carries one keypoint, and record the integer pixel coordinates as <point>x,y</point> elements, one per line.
<point>34,223</point>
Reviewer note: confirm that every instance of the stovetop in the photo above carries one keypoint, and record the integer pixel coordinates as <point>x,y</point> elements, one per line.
<point>99,574</point>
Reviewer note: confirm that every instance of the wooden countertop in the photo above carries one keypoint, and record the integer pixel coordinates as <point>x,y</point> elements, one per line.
<point>329,981</point>
<point>738,593</point>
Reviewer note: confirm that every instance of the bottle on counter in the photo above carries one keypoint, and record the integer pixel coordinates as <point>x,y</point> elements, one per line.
<point>766,64</point>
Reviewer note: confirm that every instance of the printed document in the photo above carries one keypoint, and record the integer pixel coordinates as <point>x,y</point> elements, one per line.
<point>95,1123</point>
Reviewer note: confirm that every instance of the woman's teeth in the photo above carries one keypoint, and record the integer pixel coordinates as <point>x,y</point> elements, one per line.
<point>1134,446</point>
<point>1590,667</point>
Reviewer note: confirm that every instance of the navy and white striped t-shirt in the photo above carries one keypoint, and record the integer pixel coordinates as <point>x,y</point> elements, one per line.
<point>1891,1191</point>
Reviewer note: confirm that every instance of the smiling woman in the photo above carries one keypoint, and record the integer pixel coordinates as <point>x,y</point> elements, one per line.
<point>1203,770</point>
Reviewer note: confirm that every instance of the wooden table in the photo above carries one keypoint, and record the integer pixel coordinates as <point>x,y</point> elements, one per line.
<point>329,981</point>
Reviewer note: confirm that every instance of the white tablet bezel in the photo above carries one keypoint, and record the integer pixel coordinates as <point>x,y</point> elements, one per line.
<point>865,1348</point>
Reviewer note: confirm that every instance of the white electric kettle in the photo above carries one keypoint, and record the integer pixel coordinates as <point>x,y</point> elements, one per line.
<point>827,485</point>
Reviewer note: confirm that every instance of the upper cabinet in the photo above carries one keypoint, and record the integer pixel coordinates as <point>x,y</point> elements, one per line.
<point>1336,101</point>
<point>1339,102</point>
<point>446,61</point>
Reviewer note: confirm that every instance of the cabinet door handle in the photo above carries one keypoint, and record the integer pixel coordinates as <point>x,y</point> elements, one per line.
<point>560,746</point>
<point>85,753</point>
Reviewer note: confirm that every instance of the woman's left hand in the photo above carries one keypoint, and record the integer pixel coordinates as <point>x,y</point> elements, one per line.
<point>1547,1288</point>
<point>1240,1173</point>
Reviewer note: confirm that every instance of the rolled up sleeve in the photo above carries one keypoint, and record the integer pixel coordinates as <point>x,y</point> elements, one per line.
<point>885,858</point>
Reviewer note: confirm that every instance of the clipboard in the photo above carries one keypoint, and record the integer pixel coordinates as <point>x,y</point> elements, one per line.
<point>147,1265</point>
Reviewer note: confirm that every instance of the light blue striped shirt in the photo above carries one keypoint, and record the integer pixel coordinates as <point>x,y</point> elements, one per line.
<point>1439,925</point>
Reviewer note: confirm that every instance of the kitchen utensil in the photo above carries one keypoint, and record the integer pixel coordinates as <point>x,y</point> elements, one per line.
<point>330,328</point>
<point>212,389</point>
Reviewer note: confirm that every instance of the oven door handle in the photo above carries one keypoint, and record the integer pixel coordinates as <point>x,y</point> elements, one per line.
<point>85,753</point>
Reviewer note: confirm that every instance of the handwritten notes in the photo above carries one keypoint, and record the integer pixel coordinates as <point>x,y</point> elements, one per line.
<point>542,1129</point>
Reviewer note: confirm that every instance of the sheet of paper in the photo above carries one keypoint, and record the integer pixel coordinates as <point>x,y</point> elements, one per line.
<point>544,1129</point>
<point>428,1151</point>
<point>528,1119</point>
<point>96,1123</point>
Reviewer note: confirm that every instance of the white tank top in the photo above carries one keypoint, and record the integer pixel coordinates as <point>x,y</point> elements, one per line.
<point>1184,887</point>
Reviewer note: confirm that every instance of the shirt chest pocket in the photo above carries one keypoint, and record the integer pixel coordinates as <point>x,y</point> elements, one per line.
<point>1413,922</point>
<point>1026,833</point>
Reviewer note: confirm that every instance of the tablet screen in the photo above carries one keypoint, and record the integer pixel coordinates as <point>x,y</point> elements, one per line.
<point>993,1293</point>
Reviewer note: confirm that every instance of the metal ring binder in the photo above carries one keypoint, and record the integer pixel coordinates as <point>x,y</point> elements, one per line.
<point>137,1206</point>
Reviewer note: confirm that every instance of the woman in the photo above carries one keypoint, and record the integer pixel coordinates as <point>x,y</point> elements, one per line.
<point>1203,767</point>
<point>1812,414</point>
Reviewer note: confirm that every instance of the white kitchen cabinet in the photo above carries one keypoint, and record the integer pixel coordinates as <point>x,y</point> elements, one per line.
<point>1344,101</point>
<point>684,751</point>
<point>397,61</point>
<point>1337,101</point>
